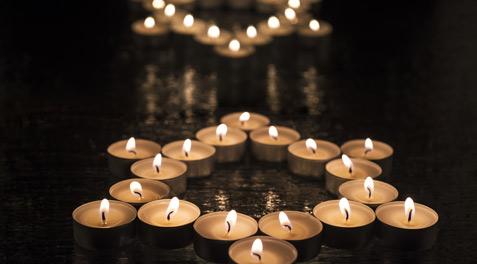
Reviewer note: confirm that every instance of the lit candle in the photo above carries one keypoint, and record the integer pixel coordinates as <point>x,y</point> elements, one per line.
<point>308,157</point>
<point>198,156</point>
<point>154,5</point>
<point>291,16</point>
<point>300,229</point>
<point>347,224</point>
<point>407,225</point>
<point>229,142</point>
<point>338,171</point>
<point>216,231</point>
<point>213,36</point>
<point>234,50</point>
<point>123,153</point>
<point>169,171</point>
<point>300,6</point>
<point>149,31</point>
<point>188,26</point>
<point>368,191</point>
<point>167,223</point>
<point>139,191</point>
<point>271,143</point>
<point>315,33</point>
<point>245,121</point>
<point>373,150</point>
<point>252,37</point>
<point>104,224</point>
<point>262,249</point>
<point>275,28</point>
<point>169,14</point>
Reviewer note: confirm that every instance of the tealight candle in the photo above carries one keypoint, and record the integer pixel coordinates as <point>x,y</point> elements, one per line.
<point>169,171</point>
<point>271,143</point>
<point>262,249</point>
<point>229,142</point>
<point>369,192</point>
<point>167,223</point>
<point>234,50</point>
<point>154,5</point>
<point>275,28</point>
<point>299,5</point>
<point>216,231</point>
<point>245,121</point>
<point>198,156</point>
<point>188,26</point>
<point>150,31</point>
<point>308,157</point>
<point>252,37</point>
<point>338,171</point>
<point>407,225</point>
<point>123,153</point>
<point>373,150</point>
<point>139,191</point>
<point>104,224</point>
<point>347,224</point>
<point>315,31</point>
<point>300,229</point>
<point>214,36</point>
<point>169,14</point>
<point>289,15</point>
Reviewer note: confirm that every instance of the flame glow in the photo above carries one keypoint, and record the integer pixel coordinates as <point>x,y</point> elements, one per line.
<point>314,25</point>
<point>149,22</point>
<point>188,20</point>
<point>251,32</point>
<point>345,209</point>
<point>294,3</point>
<point>221,131</point>
<point>131,145</point>
<point>157,162</point>
<point>230,221</point>
<point>273,132</point>
<point>284,221</point>
<point>273,22</point>
<point>244,117</point>
<point>170,10</point>
<point>104,210</point>
<point>158,4</point>
<point>172,208</point>
<point>257,249</point>
<point>409,209</point>
<point>186,147</point>
<point>369,186</point>
<point>136,189</point>
<point>290,14</point>
<point>234,45</point>
<point>347,162</point>
<point>368,145</point>
<point>213,31</point>
<point>311,145</point>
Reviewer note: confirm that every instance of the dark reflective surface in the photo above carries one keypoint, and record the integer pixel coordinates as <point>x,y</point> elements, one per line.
<point>73,80</point>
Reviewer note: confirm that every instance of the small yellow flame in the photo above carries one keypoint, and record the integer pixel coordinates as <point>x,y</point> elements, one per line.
<point>311,145</point>
<point>294,3</point>
<point>172,208</point>
<point>234,45</point>
<point>409,209</point>
<point>314,25</point>
<point>230,221</point>
<point>136,189</point>
<point>170,10</point>
<point>273,132</point>
<point>131,145</point>
<point>158,4</point>
<point>213,31</point>
<point>188,21</point>
<point>369,186</point>
<point>368,145</point>
<point>157,162</point>
<point>257,249</point>
<point>221,131</point>
<point>186,147</point>
<point>284,221</point>
<point>347,162</point>
<point>244,117</point>
<point>273,22</point>
<point>290,14</point>
<point>104,210</point>
<point>345,208</point>
<point>251,32</point>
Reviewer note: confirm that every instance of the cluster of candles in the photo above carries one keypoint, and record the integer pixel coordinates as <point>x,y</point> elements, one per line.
<point>285,236</point>
<point>291,17</point>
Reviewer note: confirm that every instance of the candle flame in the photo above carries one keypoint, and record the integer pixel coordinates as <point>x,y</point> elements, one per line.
<point>273,132</point>
<point>213,31</point>
<point>273,22</point>
<point>186,147</point>
<point>257,249</point>
<point>234,45</point>
<point>244,117</point>
<point>188,20</point>
<point>345,208</point>
<point>221,131</point>
<point>230,221</point>
<point>131,145</point>
<point>409,209</point>
<point>369,186</point>
<point>347,162</point>
<point>157,162</point>
<point>172,208</point>
<point>294,3</point>
<point>104,210</point>
<point>311,145</point>
<point>314,25</point>
<point>149,22</point>
<point>251,32</point>
<point>368,145</point>
<point>284,221</point>
<point>290,14</point>
<point>158,4</point>
<point>170,10</point>
<point>136,189</point>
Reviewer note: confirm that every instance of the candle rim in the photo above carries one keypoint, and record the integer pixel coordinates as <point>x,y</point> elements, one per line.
<point>419,208</point>
<point>182,203</point>
<point>360,143</point>
<point>140,143</point>
<point>282,130</point>
<point>320,144</point>
<point>290,214</point>
<point>265,240</point>
<point>377,185</point>
<point>95,205</point>
<point>195,144</point>
<point>166,162</point>
<point>223,38</point>
<point>232,120</point>
<point>144,182</point>
<point>283,30</point>
<point>197,27</point>
<point>202,133</point>
<point>353,205</point>
<point>223,214</point>
<point>378,171</point>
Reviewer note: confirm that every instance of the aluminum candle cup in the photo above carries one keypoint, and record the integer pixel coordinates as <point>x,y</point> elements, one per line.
<point>120,159</point>
<point>149,32</point>
<point>245,121</point>
<point>394,229</point>
<point>341,233</point>
<point>310,160</point>
<point>156,230</point>
<point>337,173</point>
<point>200,160</point>
<point>234,50</point>
<point>136,195</point>
<point>229,147</point>
<point>300,229</point>
<point>315,34</point>
<point>212,241</point>
<point>172,172</point>
<point>213,36</point>
<point>188,25</point>
<point>273,251</point>
<point>381,153</point>
<point>381,192</point>
<point>269,148</point>
<point>92,233</point>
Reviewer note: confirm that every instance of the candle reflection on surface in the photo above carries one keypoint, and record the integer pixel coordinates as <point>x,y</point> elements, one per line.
<point>273,98</point>
<point>310,89</point>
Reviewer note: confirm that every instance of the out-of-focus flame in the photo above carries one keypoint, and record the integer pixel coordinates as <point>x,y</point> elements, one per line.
<point>131,145</point>
<point>230,221</point>
<point>170,10</point>
<point>158,4</point>
<point>290,14</point>
<point>213,31</point>
<point>294,3</point>
<point>149,22</point>
<point>273,132</point>
<point>251,32</point>
<point>188,20</point>
<point>172,208</point>
<point>244,117</point>
<point>345,208</point>
<point>234,45</point>
<point>273,22</point>
<point>314,25</point>
<point>368,145</point>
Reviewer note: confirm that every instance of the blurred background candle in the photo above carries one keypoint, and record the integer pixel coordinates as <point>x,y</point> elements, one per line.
<point>271,143</point>
<point>169,171</point>
<point>213,36</point>
<point>252,37</point>
<point>300,229</point>
<point>315,34</point>
<point>122,154</point>
<point>308,157</point>
<point>198,156</point>
<point>347,224</point>
<point>188,25</point>
<point>168,14</point>
<point>373,150</point>
<point>262,249</point>
<point>154,5</point>
<point>216,231</point>
<point>104,224</point>
<point>167,223</point>
<point>274,27</point>
<point>234,50</point>
<point>245,121</point>
<point>407,225</point>
<point>149,32</point>
<point>229,142</point>
<point>369,192</point>
<point>139,191</point>
<point>338,171</point>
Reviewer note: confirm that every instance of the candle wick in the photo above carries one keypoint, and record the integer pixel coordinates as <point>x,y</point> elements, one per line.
<point>158,170</point>
<point>289,227</point>
<point>366,151</point>
<point>103,217</point>
<point>220,138</point>
<point>228,227</point>
<point>138,194</point>
<point>313,150</point>
<point>258,256</point>
<point>409,216</point>
<point>169,215</point>
<point>133,152</point>
<point>186,154</point>
<point>350,170</point>
<point>369,192</point>
<point>347,214</point>
<point>242,123</point>
<point>276,138</point>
